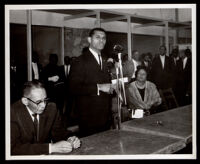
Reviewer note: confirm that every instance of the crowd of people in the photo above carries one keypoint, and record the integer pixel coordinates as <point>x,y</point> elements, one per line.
<point>80,92</point>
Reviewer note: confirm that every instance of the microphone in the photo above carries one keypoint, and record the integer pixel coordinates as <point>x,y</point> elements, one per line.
<point>118,48</point>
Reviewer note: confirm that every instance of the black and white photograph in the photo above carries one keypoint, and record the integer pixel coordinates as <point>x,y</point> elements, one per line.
<point>100,81</point>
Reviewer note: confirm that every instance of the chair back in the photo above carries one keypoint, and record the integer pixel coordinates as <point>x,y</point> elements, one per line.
<point>168,98</point>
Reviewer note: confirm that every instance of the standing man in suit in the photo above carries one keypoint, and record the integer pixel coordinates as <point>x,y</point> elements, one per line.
<point>36,66</point>
<point>175,75</point>
<point>52,80</point>
<point>147,61</point>
<point>35,125</point>
<point>185,78</point>
<point>90,83</point>
<point>161,70</point>
<point>130,66</point>
<point>66,98</point>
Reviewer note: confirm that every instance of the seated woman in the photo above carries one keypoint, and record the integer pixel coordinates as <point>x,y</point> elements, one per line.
<point>142,94</point>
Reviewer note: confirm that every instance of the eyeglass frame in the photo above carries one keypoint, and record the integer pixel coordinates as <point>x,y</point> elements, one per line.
<point>40,101</point>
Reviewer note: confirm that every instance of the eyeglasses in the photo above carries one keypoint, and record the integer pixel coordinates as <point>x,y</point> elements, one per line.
<point>39,102</point>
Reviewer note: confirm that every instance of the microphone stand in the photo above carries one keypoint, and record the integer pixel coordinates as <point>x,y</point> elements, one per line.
<point>120,87</point>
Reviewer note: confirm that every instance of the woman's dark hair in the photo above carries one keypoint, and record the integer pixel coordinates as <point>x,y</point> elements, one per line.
<point>139,68</point>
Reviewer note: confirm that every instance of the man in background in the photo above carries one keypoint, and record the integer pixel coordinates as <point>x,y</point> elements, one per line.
<point>90,83</point>
<point>161,70</point>
<point>185,78</point>
<point>52,80</point>
<point>175,74</point>
<point>130,66</point>
<point>36,66</point>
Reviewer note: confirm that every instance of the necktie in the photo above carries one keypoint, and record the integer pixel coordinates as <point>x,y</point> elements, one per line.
<point>36,126</point>
<point>100,61</point>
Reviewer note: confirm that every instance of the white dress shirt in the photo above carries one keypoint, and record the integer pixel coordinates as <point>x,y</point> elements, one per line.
<point>96,55</point>
<point>162,58</point>
<point>31,114</point>
<point>176,59</point>
<point>35,70</point>
<point>135,63</point>
<point>67,69</point>
<point>184,62</point>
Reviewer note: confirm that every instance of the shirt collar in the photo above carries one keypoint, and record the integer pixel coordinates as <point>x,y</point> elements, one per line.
<point>185,59</point>
<point>30,111</point>
<point>162,56</point>
<point>93,52</point>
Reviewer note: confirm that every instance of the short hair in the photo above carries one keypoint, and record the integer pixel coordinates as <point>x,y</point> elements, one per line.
<point>163,47</point>
<point>140,67</point>
<point>52,57</point>
<point>92,31</point>
<point>187,52</point>
<point>30,85</point>
<point>134,51</point>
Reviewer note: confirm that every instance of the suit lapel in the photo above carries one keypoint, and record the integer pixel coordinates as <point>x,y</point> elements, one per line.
<point>27,121</point>
<point>93,60</point>
<point>42,124</point>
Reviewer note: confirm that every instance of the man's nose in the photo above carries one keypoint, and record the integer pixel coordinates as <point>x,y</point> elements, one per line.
<point>43,104</point>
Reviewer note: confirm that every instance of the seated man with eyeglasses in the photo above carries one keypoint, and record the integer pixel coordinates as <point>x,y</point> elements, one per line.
<point>36,126</point>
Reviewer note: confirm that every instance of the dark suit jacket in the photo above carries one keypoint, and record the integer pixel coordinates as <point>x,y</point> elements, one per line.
<point>49,71</point>
<point>162,78</point>
<point>22,130</point>
<point>185,76</point>
<point>62,75</point>
<point>94,110</point>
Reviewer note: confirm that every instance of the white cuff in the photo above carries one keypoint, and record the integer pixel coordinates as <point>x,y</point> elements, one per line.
<point>50,148</point>
<point>98,90</point>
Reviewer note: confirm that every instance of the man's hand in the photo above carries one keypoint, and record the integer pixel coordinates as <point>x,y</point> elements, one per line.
<point>75,142</point>
<point>54,78</point>
<point>104,87</point>
<point>61,147</point>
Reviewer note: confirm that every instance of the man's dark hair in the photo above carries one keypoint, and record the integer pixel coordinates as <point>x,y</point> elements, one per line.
<point>139,68</point>
<point>35,57</point>
<point>187,52</point>
<point>67,60</point>
<point>163,47</point>
<point>53,58</point>
<point>92,31</point>
<point>30,85</point>
<point>134,51</point>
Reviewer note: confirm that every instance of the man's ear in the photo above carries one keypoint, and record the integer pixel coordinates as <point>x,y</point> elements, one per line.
<point>24,101</point>
<point>89,39</point>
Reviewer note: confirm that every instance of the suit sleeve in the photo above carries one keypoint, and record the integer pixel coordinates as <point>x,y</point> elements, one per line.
<point>20,148</point>
<point>78,83</point>
<point>58,131</point>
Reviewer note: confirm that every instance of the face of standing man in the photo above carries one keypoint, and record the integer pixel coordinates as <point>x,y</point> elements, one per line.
<point>97,41</point>
<point>162,50</point>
